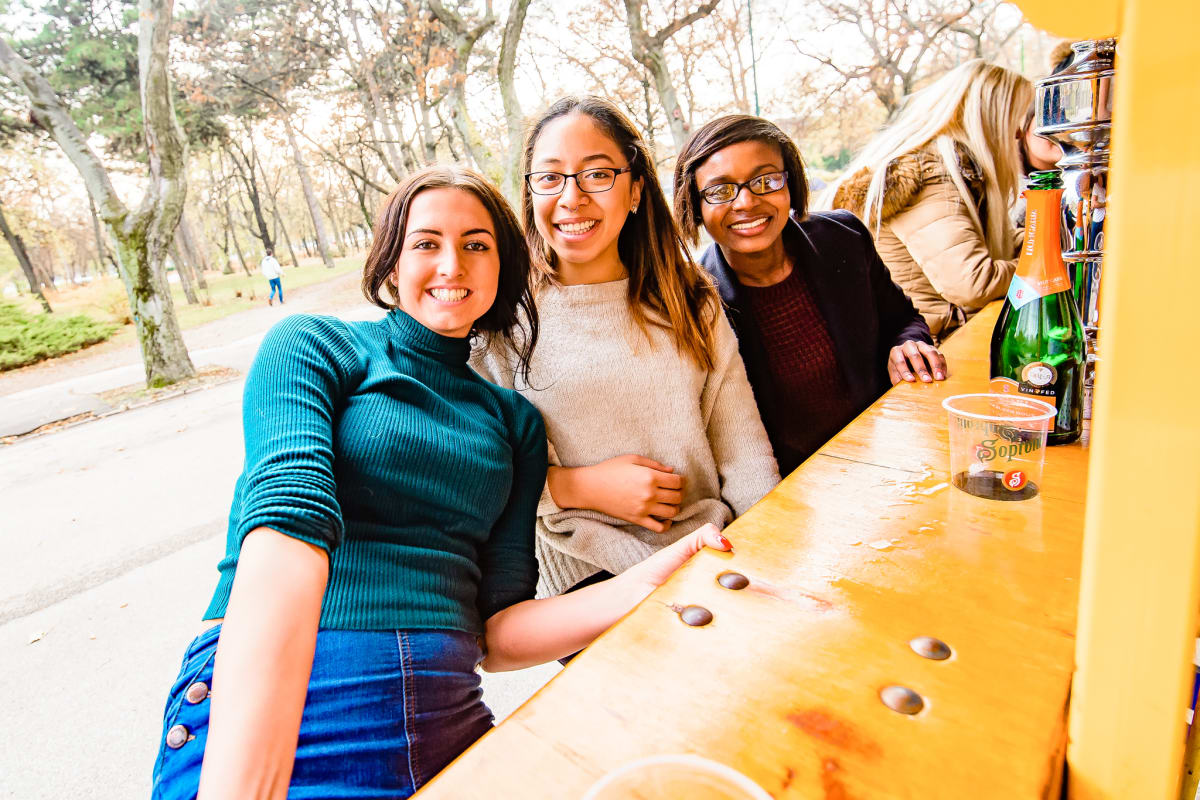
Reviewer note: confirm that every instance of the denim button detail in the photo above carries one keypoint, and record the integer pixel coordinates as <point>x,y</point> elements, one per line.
<point>177,737</point>
<point>196,692</point>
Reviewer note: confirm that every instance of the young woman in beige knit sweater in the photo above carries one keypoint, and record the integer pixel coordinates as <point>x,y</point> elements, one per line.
<point>651,421</point>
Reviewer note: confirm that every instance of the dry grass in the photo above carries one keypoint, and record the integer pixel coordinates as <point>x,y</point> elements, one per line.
<point>104,298</point>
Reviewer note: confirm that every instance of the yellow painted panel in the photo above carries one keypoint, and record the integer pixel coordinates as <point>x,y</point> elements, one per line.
<point>1142,548</point>
<point>860,550</point>
<point>1075,19</point>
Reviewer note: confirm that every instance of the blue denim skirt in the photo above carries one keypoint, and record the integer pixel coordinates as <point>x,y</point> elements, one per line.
<point>386,710</point>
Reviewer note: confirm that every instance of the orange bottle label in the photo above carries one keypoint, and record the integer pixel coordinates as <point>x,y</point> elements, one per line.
<point>1040,268</point>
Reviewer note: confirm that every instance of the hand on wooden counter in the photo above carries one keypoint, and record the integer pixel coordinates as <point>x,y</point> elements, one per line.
<point>536,631</point>
<point>654,571</point>
<point>916,357</point>
<point>630,487</point>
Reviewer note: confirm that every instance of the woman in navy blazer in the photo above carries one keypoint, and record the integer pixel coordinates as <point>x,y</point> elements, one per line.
<point>822,327</point>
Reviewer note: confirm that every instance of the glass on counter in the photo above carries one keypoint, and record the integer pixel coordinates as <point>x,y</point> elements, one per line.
<point>674,776</point>
<point>998,444</point>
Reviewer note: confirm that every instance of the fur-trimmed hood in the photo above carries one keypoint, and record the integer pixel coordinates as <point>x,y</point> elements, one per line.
<point>904,180</point>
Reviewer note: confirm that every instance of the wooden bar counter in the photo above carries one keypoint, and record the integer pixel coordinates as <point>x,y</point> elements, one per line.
<point>862,549</point>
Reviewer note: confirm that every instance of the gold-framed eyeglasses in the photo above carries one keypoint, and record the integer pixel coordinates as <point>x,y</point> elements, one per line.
<point>594,179</point>
<point>720,193</point>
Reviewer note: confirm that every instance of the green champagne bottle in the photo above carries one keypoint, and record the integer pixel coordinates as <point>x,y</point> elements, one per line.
<point>1038,345</point>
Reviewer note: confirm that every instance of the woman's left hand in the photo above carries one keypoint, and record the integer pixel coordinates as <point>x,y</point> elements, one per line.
<point>654,571</point>
<point>916,357</point>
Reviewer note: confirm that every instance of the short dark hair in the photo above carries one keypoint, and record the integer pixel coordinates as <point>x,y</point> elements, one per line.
<point>717,135</point>
<point>514,292</point>
<point>270,252</point>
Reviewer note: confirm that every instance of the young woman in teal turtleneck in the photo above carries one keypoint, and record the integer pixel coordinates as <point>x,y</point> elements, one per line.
<point>382,529</point>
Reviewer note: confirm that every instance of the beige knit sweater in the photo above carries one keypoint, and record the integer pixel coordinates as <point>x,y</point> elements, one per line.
<point>606,389</point>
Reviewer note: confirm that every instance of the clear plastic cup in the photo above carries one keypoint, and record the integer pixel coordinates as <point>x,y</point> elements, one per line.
<point>675,776</point>
<point>998,444</point>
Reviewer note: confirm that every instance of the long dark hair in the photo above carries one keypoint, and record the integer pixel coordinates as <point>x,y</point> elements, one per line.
<point>514,292</point>
<point>717,135</point>
<point>662,275</point>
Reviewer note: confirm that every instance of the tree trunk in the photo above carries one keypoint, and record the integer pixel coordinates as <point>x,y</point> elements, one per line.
<point>18,248</point>
<point>363,195</point>
<point>362,200</point>
<point>656,62</point>
<point>245,170</point>
<point>649,109</point>
<point>465,37</point>
<point>233,235</point>
<point>189,260</point>
<point>513,118</point>
<point>428,140</point>
<point>649,52</point>
<point>337,234</point>
<point>310,196</point>
<point>281,229</point>
<point>374,107</point>
<point>227,269</point>
<point>196,251</point>
<point>185,276</point>
<point>477,148</point>
<point>410,156</point>
<point>101,248</point>
<point>43,270</point>
<point>237,246</point>
<point>449,129</point>
<point>144,236</point>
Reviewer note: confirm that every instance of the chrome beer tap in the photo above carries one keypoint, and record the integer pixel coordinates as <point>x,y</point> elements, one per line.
<point>1074,108</point>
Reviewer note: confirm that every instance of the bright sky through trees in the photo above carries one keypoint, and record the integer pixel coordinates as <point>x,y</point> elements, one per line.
<point>372,89</point>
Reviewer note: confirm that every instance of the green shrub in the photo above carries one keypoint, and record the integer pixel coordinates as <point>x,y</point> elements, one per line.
<point>25,338</point>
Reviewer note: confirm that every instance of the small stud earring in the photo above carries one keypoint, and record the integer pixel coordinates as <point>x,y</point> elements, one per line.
<point>633,210</point>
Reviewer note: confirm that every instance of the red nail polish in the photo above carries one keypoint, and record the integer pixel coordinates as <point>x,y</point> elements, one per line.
<point>724,542</point>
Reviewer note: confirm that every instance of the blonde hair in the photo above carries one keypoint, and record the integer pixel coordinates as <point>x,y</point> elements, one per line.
<point>978,106</point>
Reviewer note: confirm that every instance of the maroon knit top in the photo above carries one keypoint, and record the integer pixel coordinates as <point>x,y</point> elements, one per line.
<point>806,380</point>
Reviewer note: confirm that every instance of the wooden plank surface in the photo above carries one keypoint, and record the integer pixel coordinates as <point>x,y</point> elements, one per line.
<point>856,553</point>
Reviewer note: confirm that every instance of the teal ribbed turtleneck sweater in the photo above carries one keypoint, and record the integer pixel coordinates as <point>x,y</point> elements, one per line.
<point>376,442</point>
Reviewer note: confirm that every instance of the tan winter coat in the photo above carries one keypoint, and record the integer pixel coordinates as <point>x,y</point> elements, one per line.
<point>933,249</point>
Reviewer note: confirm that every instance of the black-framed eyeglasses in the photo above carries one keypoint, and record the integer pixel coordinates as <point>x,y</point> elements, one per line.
<point>720,193</point>
<point>594,179</point>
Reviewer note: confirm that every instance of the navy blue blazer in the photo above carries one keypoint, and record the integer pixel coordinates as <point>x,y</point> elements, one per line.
<point>867,313</point>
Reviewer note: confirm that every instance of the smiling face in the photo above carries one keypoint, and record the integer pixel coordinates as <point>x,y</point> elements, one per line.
<point>582,228</point>
<point>751,223</point>
<point>449,265</point>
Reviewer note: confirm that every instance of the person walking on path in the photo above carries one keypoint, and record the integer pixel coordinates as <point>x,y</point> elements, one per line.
<point>273,272</point>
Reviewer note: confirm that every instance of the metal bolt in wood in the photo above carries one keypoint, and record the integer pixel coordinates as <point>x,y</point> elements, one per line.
<point>901,699</point>
<point>931,648</point>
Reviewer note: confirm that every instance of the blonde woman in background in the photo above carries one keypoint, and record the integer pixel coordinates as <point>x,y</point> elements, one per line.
<point>935,187</point>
